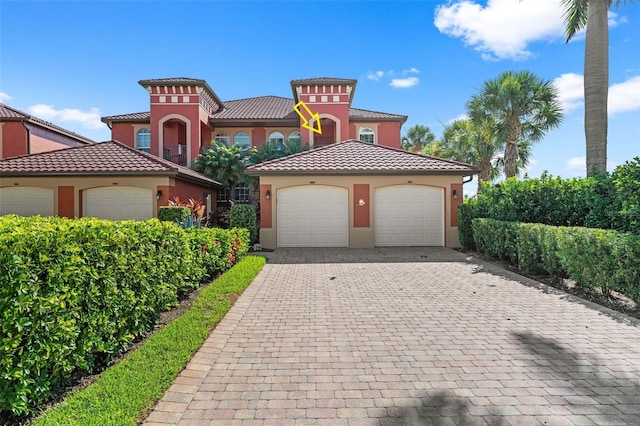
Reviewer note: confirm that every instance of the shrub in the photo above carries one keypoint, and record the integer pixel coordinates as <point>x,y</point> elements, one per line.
<point>76,293</point>
<point>177,214</point>
<point>244,216</point>
<point>596,258</point>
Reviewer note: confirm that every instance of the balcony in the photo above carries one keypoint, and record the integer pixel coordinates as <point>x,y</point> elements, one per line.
<point>175,153</point>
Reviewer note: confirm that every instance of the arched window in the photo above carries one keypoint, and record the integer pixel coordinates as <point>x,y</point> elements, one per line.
<point>241,139</point>
<point>143,140</point>
<point>222,137</point>
<point>367,135</point>
<point>295,137</point>
<point>276,137</point>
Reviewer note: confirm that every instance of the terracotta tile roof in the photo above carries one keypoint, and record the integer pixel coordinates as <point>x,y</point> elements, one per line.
<point>8,113</point>
<point>259,108</point>
<point>106,158</point>
<point>356,157</point>
<point>356,114</point>
<point>138,117</point>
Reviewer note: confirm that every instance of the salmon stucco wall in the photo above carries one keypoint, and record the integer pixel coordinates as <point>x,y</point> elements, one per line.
<point>185,190</point>
<point>39,144</point>
<point>14,139</point>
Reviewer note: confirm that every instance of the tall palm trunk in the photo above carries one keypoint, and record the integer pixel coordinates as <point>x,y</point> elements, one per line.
<point>510,159</point>
<point>596,85</point>
<point>484,174</point>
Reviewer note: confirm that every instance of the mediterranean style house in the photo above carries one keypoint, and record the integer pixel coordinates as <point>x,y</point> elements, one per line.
<point>185,116</point>
<point>354,188</point>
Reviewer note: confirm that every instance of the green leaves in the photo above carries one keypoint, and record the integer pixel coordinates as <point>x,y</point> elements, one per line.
<point>595,258</point>
<point>244,216</point>
<point>76,293</point>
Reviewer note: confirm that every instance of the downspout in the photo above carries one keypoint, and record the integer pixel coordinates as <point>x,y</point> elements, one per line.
<point>467,181</point>
<point>28,136</point>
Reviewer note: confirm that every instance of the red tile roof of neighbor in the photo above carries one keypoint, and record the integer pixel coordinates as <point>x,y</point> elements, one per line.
<point>8,113</point>
<point>356,157</point>
<point>106,158</point>
<point>263,108</point>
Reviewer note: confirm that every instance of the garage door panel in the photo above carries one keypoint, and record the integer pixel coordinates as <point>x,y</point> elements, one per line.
<point>313,216</point>
<point>409,215</point>
<point>118,203</point>
<point>26,201</point>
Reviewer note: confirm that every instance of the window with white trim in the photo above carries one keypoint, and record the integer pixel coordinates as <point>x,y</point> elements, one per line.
<point>276,137</point>
<point>295,137</point>
<point>143,140</point>
<point>241,139</point>
<point>367,134</point>
<point>222,137</point>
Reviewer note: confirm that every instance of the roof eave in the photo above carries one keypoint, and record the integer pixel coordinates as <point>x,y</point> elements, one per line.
<point>359,172</point>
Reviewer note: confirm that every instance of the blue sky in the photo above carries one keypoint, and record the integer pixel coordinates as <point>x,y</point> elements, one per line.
<point>71,62</point>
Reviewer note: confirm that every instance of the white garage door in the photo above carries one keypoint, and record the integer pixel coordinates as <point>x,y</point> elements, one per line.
<point>26,201</point>
<point>118,203</point>
<point>409,215</point>
<point>313,216</point>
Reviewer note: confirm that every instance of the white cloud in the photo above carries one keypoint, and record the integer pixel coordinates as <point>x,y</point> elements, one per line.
<point>4,97</point>
<point>375,76</point>
<point>501,29</point>
<point>570,90</point>
<point>404,83</point>
<point>624,96</point>
<point>89,120</point>
<point>577,166</point>
<point>412,70</point>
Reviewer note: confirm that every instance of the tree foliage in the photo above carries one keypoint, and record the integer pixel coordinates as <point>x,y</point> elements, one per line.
<point>417,138</point>
<point>515,108</point>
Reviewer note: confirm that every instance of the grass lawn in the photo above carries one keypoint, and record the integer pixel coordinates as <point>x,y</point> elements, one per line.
<point>124,393</point>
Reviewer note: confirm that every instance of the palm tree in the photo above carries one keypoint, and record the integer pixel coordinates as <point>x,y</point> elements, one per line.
<point>417,137</point>
<point>517,107</point>
<point>464,141</point>
<point>224,164</point>
<point>596,73</point>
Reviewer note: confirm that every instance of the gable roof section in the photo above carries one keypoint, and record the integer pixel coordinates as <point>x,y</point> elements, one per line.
<point>106,158</point>
<point>356,157</point>
<point>8,113</point>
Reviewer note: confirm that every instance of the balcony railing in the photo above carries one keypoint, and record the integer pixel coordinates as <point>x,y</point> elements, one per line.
<point>175,153</point>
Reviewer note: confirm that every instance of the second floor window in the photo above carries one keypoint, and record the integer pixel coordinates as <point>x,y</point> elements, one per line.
<point>222,138</point>
<point>367,135</point>
<point>143,140</point>
<point>241,139</point>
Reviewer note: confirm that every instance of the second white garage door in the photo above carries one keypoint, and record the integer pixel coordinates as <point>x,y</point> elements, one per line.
<point>409,215</point>
<point>313,216</point>
<point>118,203</point>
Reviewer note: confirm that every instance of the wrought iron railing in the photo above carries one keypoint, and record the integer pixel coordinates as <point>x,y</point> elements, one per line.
<point>175,153</point>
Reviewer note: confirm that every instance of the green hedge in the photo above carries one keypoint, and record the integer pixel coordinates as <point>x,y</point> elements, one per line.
<point>176,214</point>
<point>74,293</point>
<point>595,258</point>
<point>244,216</point>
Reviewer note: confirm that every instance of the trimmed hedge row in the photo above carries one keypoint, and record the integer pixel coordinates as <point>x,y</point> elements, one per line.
<point>74,293</point>
<point>245,216</point>
<point>595,258</point>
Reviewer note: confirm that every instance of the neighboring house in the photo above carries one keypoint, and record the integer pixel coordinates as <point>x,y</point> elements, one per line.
<point>360,195</point>
<point>186,116</point>
<point>22,134</point>
<point>107,180</point>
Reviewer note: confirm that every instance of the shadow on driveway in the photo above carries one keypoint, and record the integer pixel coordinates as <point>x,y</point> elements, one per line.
<point>577,382</point>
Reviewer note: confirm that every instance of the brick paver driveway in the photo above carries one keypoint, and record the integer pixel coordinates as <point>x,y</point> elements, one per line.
<point>402,337</point>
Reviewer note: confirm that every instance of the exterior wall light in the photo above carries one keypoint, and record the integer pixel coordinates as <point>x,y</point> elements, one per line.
<point>267,194</point>
<point>361,202</point>
<point>455,194</point>
<point>158,194</point>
